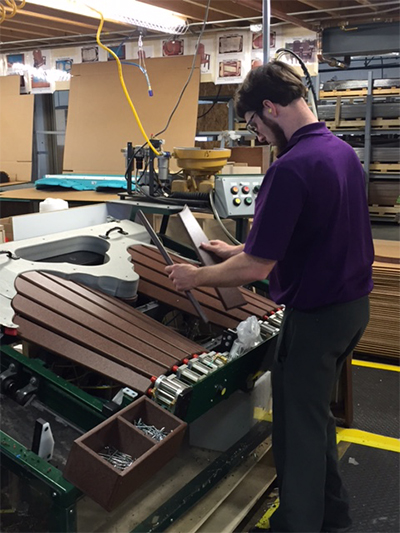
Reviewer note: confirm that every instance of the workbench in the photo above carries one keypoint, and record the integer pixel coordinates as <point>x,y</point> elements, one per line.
<point>26,200</point>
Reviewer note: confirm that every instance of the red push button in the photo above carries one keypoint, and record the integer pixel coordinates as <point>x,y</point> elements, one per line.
<point>245,189</point>
<point>234,190</point>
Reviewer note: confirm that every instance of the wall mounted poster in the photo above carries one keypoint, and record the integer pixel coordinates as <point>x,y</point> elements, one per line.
<point>173,47</point>
<point>228,44</point>
<point>39,82</point>
<point>232,62</point>
<point>64,64</point>
<point>306,49</point>
<point>90,54</point>
<point>13,59</point>
<point>119,51</point>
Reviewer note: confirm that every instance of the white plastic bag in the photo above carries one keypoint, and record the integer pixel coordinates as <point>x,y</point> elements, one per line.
<point>249,336</point>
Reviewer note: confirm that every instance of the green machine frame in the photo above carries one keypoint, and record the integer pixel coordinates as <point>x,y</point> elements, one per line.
<point>76,406</point>
<point>86,411</point>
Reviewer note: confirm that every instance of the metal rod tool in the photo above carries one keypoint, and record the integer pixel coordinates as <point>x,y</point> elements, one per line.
<point>169,261</point>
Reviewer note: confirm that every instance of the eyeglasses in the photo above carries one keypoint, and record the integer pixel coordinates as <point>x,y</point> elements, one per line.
<point>251,127</point>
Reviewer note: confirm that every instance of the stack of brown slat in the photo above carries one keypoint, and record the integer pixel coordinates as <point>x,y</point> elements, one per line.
<point>95,330</point>
<point>382,336</point>
<point>155,284</point>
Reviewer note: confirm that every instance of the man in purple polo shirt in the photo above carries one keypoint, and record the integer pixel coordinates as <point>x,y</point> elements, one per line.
<point>311,235</point>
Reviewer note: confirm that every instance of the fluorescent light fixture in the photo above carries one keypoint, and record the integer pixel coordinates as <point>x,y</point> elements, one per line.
<point>256,27</point>
<point>126,11</point>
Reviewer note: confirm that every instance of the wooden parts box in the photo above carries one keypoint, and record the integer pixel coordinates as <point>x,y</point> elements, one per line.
<point>99,479</point>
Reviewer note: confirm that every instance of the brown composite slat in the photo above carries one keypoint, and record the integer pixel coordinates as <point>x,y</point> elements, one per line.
<point>151,269</point>
<point>167,337</point>
<point>151,332</point>
<point>69,349</point>
<point>93,323</point>
<point>105,314</point>
<point>208,302</point>
<point>155,263</point>
<point>253,297</point>
<point>260,302</point>
<point>180,302</point>
<point>162,332</point>
<point>155,239</point>
<point>84,337</point>
<point>230,296</point>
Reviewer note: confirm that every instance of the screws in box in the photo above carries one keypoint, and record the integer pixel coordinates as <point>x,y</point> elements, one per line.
<point>151,431</point>
<point>118,459</point>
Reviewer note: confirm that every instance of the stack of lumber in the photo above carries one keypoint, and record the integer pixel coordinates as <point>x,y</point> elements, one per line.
<point>382,336</point>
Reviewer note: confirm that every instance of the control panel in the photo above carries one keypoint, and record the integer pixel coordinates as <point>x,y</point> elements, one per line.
<point>235,195</point>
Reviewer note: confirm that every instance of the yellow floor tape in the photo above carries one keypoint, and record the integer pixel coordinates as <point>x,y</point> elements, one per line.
<point>356,436</point>
<point>379,366</point>
<point>262,414</point>
<point>263,523</point>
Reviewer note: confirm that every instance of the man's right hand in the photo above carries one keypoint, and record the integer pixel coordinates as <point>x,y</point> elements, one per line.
<point>222,249</point>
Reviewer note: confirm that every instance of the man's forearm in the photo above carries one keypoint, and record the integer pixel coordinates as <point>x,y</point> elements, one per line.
<point>238,270</point>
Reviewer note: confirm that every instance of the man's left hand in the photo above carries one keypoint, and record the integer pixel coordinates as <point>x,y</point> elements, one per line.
<point>182,276</point>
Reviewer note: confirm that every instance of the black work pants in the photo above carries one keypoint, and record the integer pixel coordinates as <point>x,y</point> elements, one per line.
<point>312,347</point>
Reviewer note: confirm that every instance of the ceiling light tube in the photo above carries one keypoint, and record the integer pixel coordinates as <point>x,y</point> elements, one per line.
<point>126,11</point>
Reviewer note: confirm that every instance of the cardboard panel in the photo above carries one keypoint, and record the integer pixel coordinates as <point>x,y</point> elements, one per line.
<point>16,129</point>
<point>19,171</point>
<point>100,120</point>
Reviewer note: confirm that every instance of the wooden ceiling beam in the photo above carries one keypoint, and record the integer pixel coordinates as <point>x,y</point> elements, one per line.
<point>367,3</point>
<point>293,20</point>
<point>226,9</point>
<point>322,5</point>
<point>12,35</point>
<point>195,9</point>
<point>32,33</point>
<point>237,10</point>
<point>44,24</point>
<point>277,13</point>
<point>34,30</point>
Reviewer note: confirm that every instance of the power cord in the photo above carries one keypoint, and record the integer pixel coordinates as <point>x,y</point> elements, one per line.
<point>218,219</point>
<point>280,53</point>
<point>191,71</point>
<point>213,105</point>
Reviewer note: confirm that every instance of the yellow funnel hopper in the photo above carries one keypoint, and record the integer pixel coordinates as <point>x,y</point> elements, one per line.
<point>199,161</point>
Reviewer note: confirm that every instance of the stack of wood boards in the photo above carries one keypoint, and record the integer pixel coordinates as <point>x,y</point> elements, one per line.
<point>156,285</point>
<point>96,331</point>
<point>382,336</point>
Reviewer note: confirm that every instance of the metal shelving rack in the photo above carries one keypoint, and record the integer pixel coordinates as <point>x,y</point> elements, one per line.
<point>379,107</point>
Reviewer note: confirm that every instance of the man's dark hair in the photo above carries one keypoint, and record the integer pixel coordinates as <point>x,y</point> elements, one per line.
<point>275,81</point>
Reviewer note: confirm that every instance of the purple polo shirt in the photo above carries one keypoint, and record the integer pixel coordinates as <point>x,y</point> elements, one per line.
<point>312,217</point>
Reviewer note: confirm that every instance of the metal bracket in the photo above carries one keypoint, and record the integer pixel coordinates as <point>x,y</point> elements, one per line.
<point>23,395</point>
<point>9,254</point>
<point>43,440</point>
<point>117,228</point>
<point>6,378</point>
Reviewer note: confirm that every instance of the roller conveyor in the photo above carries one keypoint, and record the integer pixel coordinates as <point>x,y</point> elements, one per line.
<point>114,340</point>
<point>111,338</point>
